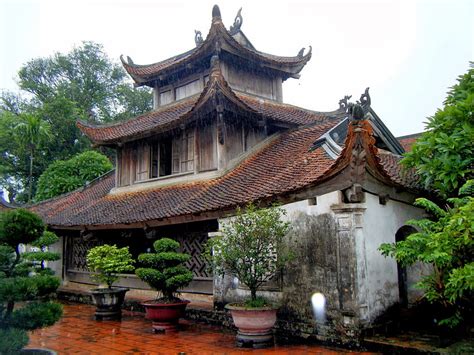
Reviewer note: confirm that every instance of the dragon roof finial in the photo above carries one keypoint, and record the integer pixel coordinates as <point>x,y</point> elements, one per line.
<point>237,23</point>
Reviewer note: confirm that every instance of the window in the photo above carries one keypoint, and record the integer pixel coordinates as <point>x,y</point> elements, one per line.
<point>165,157</point>
<point>161,158</point>
<point>172,155</point>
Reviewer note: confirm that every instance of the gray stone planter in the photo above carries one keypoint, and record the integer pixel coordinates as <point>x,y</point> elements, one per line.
<point>108,302</point>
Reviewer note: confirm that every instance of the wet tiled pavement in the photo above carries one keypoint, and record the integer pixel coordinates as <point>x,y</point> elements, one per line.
<point>78,333</point>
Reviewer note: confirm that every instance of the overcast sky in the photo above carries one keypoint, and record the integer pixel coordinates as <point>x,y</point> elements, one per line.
<point>407,52</point>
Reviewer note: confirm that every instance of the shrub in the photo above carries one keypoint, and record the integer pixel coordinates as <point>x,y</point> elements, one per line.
<point>107,261</point>
<point>164,270</point>
<point>17,286</point>
<point>251,247</point>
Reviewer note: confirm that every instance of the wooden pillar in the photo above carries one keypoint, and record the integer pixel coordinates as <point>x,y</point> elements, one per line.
<point>156,97</point>
<point>221,154</point>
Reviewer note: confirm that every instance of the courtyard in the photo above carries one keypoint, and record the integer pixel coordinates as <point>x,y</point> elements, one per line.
<point>78,333</point>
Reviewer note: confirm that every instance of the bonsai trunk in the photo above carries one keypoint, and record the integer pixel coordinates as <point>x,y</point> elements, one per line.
<point>168,295</point>
<point>253,293</point>
<point>30,180</point>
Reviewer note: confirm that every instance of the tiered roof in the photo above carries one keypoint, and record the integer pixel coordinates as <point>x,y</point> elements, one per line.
<point>283,168</point>
<point>221,40</point>
<point>189,109</point>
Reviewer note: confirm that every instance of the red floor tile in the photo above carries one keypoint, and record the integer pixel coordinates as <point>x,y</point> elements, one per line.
<point>78,333</point>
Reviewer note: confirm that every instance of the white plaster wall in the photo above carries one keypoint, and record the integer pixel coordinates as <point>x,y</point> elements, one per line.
<point>377,277</point>
<point>224,286</point>
<point>56,266</point>
<point>323,205</point>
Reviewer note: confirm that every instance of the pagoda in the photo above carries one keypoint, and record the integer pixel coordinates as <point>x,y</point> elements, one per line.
<point>219,137</point>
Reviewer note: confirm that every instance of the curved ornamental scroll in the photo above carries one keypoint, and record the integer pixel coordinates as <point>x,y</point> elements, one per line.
<point>359,109</point>
<point>198,38</point>
<point>237,23</point>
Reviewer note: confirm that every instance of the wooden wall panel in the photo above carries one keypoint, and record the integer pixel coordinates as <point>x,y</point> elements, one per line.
<point>233,140</point>
<point>142,164</point>
<point>207,147</point>
<point>124,166</point>
<point>251,83</point>
<point>253,136</point>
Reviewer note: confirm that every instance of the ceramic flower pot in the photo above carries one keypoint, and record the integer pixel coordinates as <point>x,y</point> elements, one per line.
<point>255,325</point>
<point>108,302</point>
<point>165,316</point>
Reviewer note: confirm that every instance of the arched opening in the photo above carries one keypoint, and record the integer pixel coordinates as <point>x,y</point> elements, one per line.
<point>401,235</point>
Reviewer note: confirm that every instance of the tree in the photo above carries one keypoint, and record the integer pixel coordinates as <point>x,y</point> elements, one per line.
<point>87,77</point>
<point>31,133</point>
<point>446,242</point>
<point>41,255</point>
<point>444,155</point>
<point>24,297</point>
<point>251,247</point>
<point>58,90</point>
<point>67,175</point>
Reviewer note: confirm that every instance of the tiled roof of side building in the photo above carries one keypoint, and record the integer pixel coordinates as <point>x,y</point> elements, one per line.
<point>405,177</point>
<point>408,140</point>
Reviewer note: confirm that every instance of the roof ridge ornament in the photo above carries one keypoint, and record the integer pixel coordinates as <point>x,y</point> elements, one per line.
<point>216,13</point>
<point>237,23</point>
<point>301,52</point>
<point>129,60</point>
<point>198,37</point>
<point>359,109</point>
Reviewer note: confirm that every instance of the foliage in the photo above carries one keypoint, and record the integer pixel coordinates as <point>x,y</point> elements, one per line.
<point>19,226</point>
<point>82,84</point>
<point>87,77</point>
<point>67,175</point>
<point>164,270</point>
<point>447,242</point>
<point>12,340</point>
<point>39,257</point>
<point>24,295</point>
<point>443,158</point>
<point>251,246</point>
<point>444,155</point>
<point>107,261</point>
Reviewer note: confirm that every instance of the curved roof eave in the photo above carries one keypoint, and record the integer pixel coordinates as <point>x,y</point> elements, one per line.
<point>218,38</point>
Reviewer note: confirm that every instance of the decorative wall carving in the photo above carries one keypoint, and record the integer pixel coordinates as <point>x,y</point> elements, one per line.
<point>78,252</point>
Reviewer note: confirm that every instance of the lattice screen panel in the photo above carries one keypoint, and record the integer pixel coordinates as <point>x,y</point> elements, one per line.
<point>193,244</point>
<point>78,249</point>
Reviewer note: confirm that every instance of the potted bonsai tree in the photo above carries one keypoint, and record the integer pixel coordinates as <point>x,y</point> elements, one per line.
<point>164,271</point>
<point>251,248</point>
<point>24,293</point>
<point>107,262</point>
<point>39,257</point>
